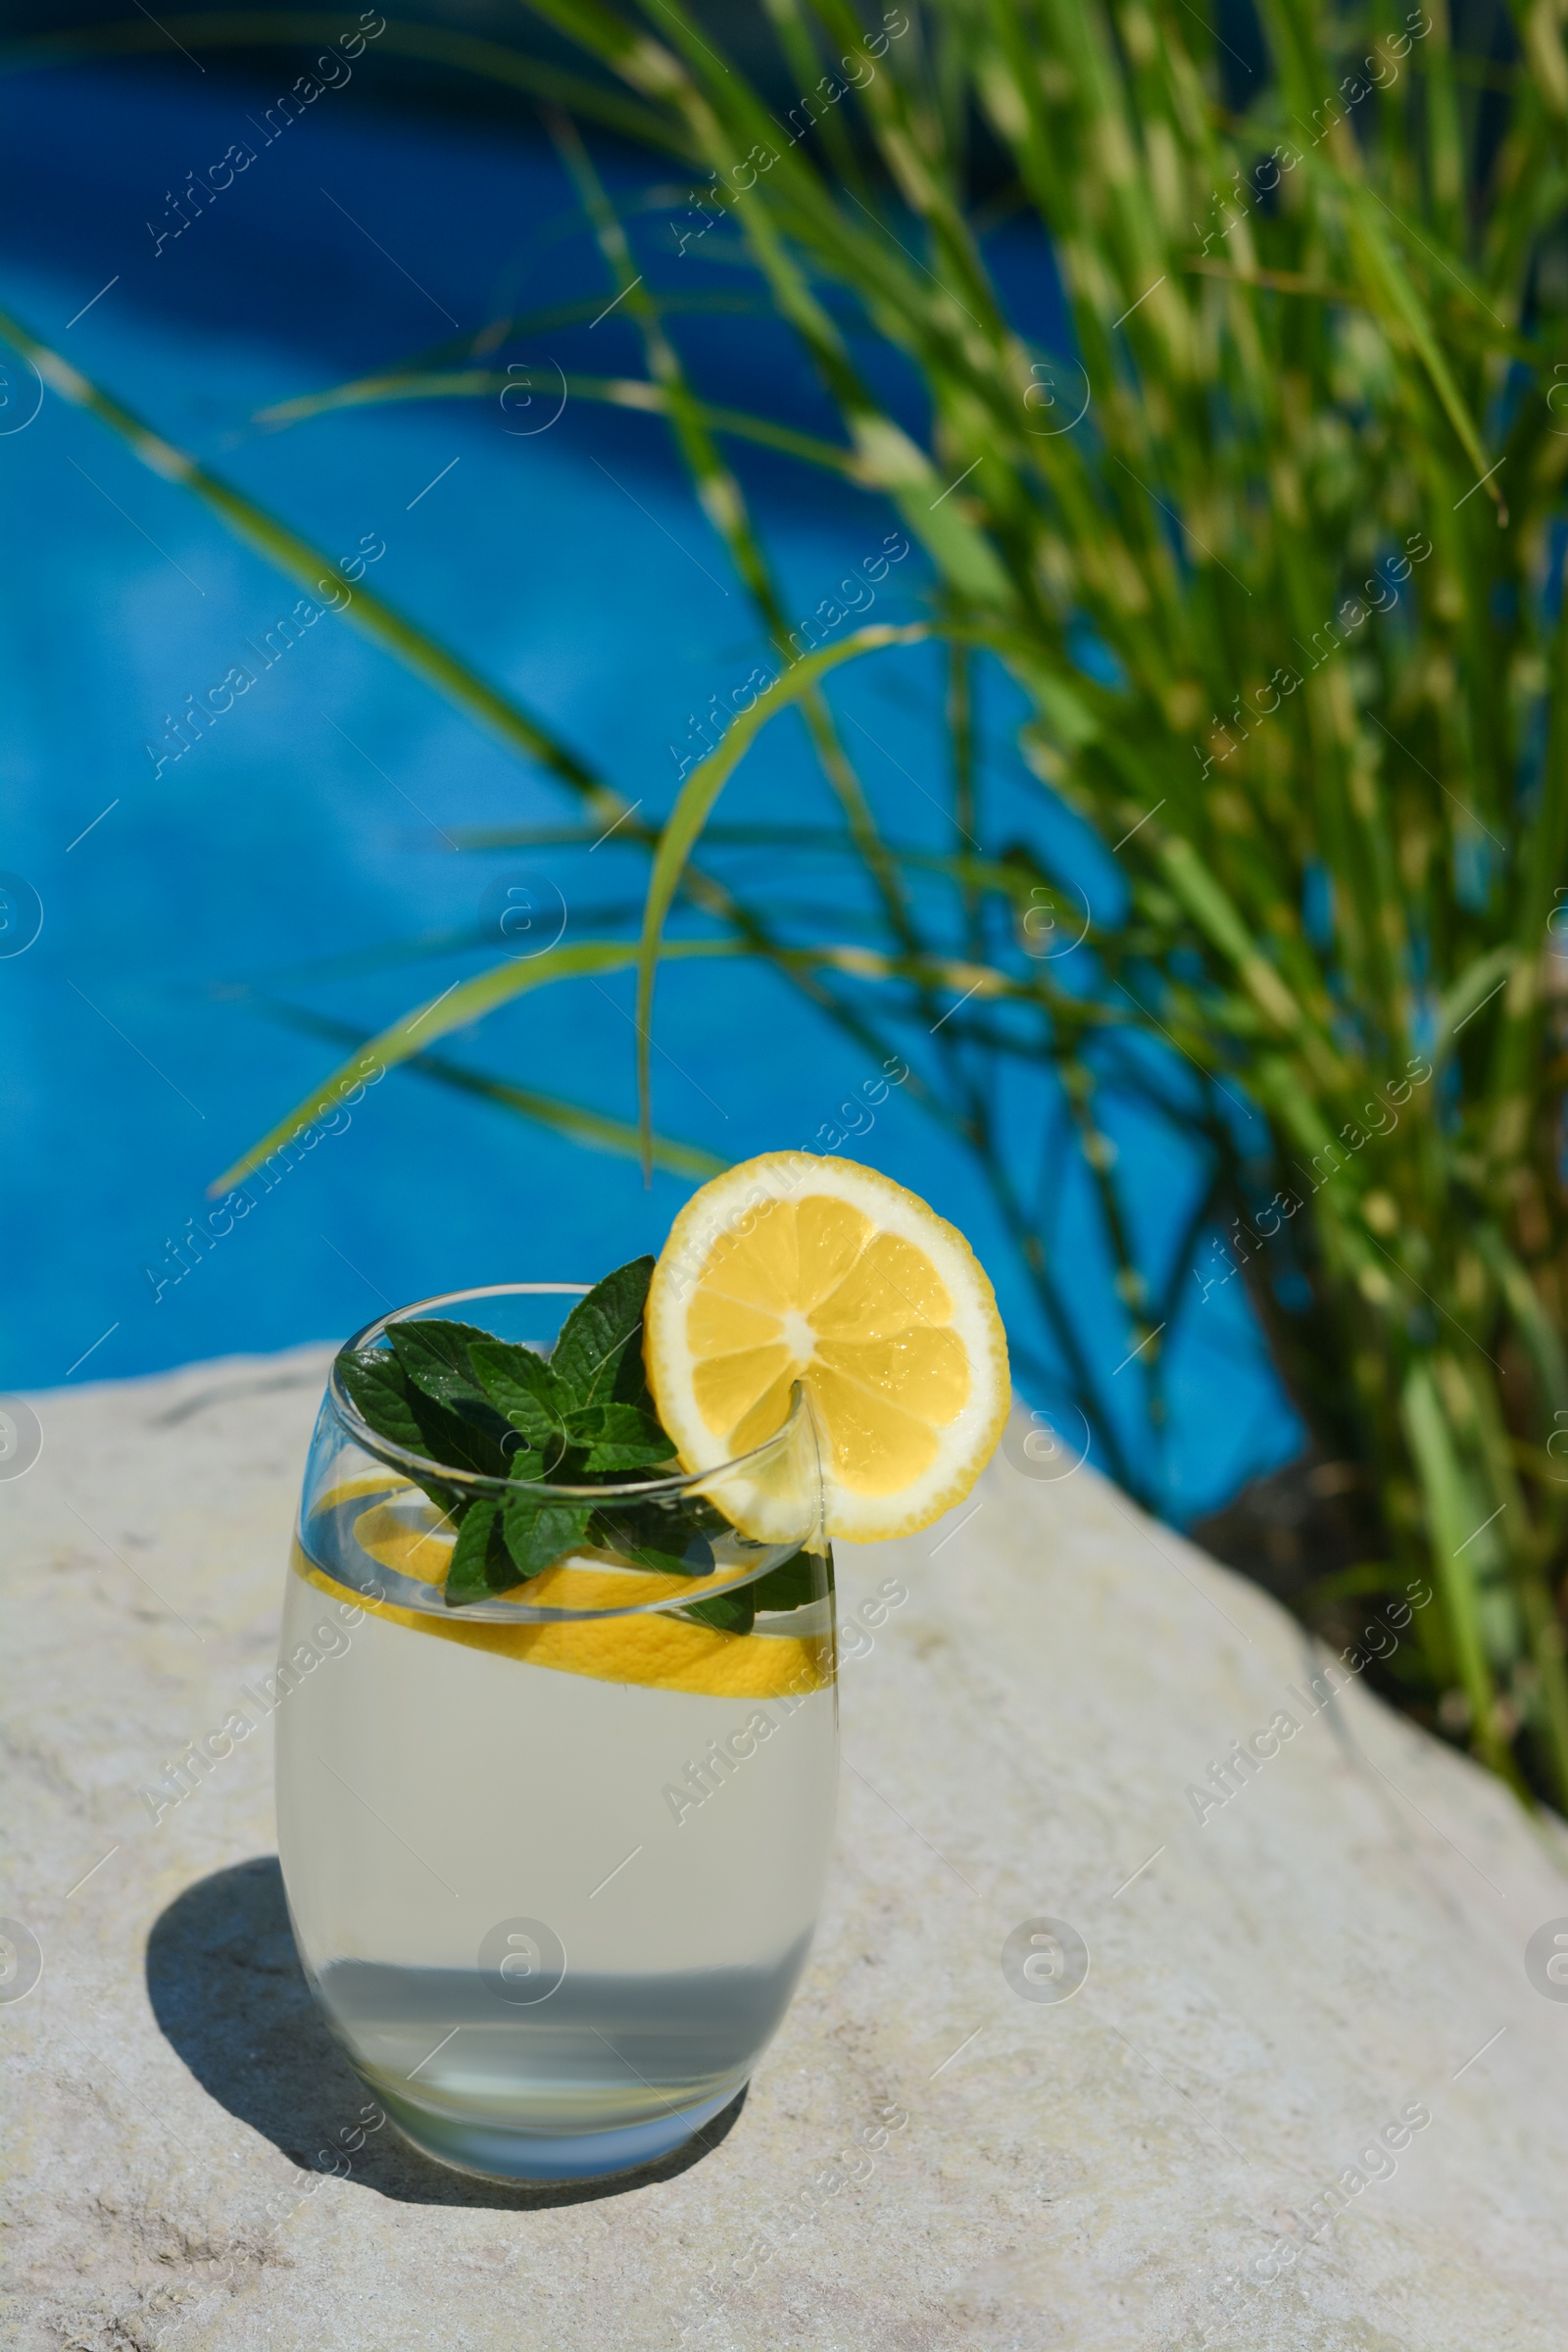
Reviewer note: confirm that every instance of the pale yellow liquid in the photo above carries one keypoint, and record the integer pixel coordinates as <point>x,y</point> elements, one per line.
<point>430,1791</point>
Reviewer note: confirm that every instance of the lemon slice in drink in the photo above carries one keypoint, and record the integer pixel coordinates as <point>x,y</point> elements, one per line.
<point>790,1268</point>
<point>666,1653</point>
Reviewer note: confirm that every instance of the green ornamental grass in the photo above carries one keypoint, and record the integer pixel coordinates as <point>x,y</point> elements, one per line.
<point>1275,555</point>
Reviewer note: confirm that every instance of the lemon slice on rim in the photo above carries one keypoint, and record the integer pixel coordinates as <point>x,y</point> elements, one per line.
<point>792,1269</point>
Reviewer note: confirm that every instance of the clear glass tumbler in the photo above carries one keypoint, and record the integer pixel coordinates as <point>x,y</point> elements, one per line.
<point>554,1859</point>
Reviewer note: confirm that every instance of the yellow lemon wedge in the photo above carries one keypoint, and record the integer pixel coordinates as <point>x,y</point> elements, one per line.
<point>789,1268</point>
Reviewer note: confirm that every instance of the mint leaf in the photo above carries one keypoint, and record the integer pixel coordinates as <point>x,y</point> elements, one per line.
<point>613,1457</point>
<point>383,1395</point>
<point>538,1533</point>
<point>730,1612</point>
<point>435,1357</point>
<point>599,1354</point>
<point>458,1441</point>
<point>522,1387</point>
<point>619,1437</point>
<point>792,1584</point>
<point>672,1537</point>
<point>377,1388</point>
<point>481,1564</point>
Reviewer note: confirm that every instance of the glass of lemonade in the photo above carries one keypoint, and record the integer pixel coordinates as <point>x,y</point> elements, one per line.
<point>554,1858</point>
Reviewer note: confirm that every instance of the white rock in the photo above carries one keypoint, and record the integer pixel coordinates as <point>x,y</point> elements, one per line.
<point>1342,1941</point>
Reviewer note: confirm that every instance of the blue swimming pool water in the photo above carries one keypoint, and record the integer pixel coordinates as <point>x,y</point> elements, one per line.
<point>571,565</point>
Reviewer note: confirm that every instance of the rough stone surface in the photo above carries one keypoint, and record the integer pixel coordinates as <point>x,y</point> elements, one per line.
<point>1342,1941</point>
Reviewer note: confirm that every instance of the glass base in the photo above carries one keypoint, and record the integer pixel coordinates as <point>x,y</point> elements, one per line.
<point>502,2152</point>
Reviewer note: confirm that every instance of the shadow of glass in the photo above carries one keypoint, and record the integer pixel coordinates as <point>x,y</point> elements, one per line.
<point>227,1990</point>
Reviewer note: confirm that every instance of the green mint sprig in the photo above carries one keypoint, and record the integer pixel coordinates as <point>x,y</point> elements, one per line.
<point>582,1418</point>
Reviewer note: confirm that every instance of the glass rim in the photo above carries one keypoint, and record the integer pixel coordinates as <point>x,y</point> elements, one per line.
<point>475,1481</point>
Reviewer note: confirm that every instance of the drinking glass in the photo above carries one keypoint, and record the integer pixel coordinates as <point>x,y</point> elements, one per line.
<point>554,1859</point>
